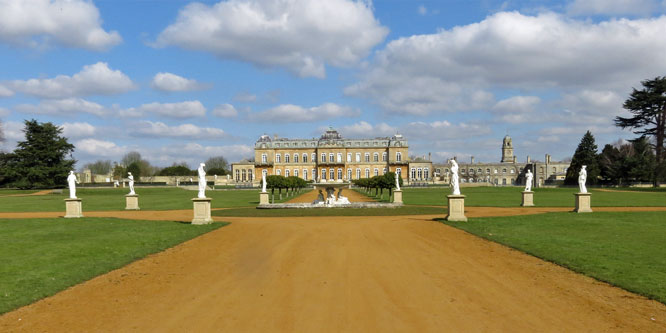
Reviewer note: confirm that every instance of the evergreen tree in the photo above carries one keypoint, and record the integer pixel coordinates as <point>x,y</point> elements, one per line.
<point>42,159</point>
<point>586,154</point>
<point>642,162</point>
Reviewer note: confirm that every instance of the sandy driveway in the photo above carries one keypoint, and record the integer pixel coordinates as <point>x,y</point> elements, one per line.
<point>364,274</point>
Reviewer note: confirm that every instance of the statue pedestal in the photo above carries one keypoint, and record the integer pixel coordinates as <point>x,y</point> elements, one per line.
<point>73,208</point>
<point>202,211</point>
<point>456,208</point>
<point>263,198</point>
<point>583,202</point>
<point>397,196</point>
<point>528,199</point>
<point>132,202</point>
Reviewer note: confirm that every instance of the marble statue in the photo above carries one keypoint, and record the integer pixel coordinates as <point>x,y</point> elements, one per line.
<point>454,177</point>
<point>397,182</point>
<point>202,181</point>
<point>131,182</point>
<point>582,178</point>
<point>320,198</point>
<point>342,200</point>
<point>72,181</point>
<point>263,182</point>
<point>330,195</point>
<point>528,180</point>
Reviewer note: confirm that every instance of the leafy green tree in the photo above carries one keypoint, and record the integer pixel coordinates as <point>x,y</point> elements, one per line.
<point>42,159</point>
<point>276,182</point>
<point>135,169</point>
<point>648,107</point>
<point>119,172</point>
<point>586,154</point>
<point>177,170</point>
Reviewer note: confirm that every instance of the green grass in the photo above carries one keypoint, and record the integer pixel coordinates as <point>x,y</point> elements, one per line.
<point>543,197</point>
<point>12,192</point>
<point>625,249</point>
<point>404,210</point>
<point>165,198</point>
<point>43,256</point>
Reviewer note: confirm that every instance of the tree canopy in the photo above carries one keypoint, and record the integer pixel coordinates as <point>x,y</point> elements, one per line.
<point>99,167</point>
<point>217,165</point>
<point>586,154</point>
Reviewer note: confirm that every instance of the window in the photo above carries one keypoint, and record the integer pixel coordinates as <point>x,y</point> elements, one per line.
<point>314,158</point>
<point>332,174</point>
<point>367,173</point>
<point>419,172</point>
<point>358,157</point>
<point>398,156</point>
<point>554,170</point>
<point>278,172</point>
<point>512,171</point>
<point>358,173</point>
<point>286,173</point>
<point>305,158</point>
<point>349,157</point>
<point>384,171</point>
<point>367,157</point>
<point>295,158</point>
<point>277,158</point>
<point>237,175</point>
<point>471,171</point>
<point>541,169</point>
<point>504,171</point>
<point>295,172</point>
<point>375,157</point>
<point>286,158</point>
<point>426,173</point>
<point>244,174</point>
<point>323,158</point>
<point>323,174</point>
<point>488,170</point>
<point>495,172</point>
<point>349,174</point>
<point>339,159</point>
<point>331,157</point>
<point>384,157</point>
<point>479,170</point>
<point>263,158</point>
<point>438,171</point>
<point>413,173</point>
<point>305,174</point>
<point>339,173</point>
<point>462,171</point>
<point>376,172</point>
<point>314,174</point>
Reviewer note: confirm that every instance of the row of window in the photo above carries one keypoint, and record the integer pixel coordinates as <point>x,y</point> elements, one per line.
<point>329,174</point>
<point>504,170</point>
<point>420,173</point>
<point>244,175</point>
<point>314,144</point>
<point>331,157</point>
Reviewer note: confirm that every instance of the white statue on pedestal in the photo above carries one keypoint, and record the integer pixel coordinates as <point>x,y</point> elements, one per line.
<point>263,182</point>
<point>131,182</point>
<point>454,177</point>
<point>582,178</point>
<point>202,181</point>
<point>72,181</point>
<point>528,180</point>
<point>342,200</point>
<point>397,182</point>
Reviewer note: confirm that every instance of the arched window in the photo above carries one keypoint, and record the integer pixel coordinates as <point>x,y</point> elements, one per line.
<point>554,170</point>
<point>349,159</point>
<point>323,174</point>
<point>413,174</point>
<point>305,158</point>
<point>286,173</point>
<point>541,169</point>
<point>384,171</point>
<point>398,156</point>
<point>323,158</point>
<point>367,172</point>
<point>237,175</point>
<point>426,173</point>
<point>286,158</point>
<point>314,158</point>
<point>295,158</point>
<point>399,172</point>
<point>512,171</point>
<point>488,170</point>
<point>278,172</point>
<point>314,174</point>
<point>263,158</point>
<point>384,156</point>
<point>332,174</point>
<point>358,173</point>
<point>358,157</point>
<point>419,172</point>
<point>479,170</point>
<point>244,174</point>
<point>375,157</point>
<point>349,174</point>
<point>504,170</point>
<point>277,158</point>
<point>331,157</point>
<point>367,157</point>
<point>339,158</point>
<point>339,173</point>
<point>295,172</point>
<point>376,172</point>
<point>305,174</point>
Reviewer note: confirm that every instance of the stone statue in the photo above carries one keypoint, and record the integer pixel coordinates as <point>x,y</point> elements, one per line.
<point>263,182</point>
<point>528,180</point>
<point>131,182</point>
<point>397,182</point>
<point>72,181</point>
<point>320,198</point>
<point>330,195</point>
<point>454,177</point>
<point>202,181</point>
<point>342,200</point>
<point>582,178</point>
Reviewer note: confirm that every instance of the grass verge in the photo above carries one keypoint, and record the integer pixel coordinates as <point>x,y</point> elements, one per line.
<point>624,249</point>
<point>41,257</point>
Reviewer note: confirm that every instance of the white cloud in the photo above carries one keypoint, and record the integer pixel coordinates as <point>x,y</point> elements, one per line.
<point>189,131</point>
<point>439,72</point>
<point>517,109</point>
<point>441,130</point>
<point>99,148</point>
<point>13,130</point>
<point>299,35</point>
<point>363,128</point>
<point>194,153</point>
<point>73,23</point>
<point>95,79</point>
<point>187,109</point>
<point>172,82</point>
<point>78,130</point>
<point>67,106</point>
<point>245,97</point>
<point>422,10</point>
<point>611,7</point>
<point>225,111</point>
<point>289,113</point>
<point>4,112</point>
<point>5,92</point>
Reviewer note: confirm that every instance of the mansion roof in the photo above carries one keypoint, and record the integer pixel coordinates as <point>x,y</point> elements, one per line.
<point>330,139</point>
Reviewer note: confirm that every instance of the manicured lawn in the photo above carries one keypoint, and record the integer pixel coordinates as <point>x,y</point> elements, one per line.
<point>404,210</point>
<point>625,249</point>
<point>114,199</point>
<point>11,192</point>
<point>544,197</point>
<point>43,256</point>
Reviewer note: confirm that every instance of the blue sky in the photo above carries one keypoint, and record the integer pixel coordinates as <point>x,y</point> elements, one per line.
<point>181,81</point>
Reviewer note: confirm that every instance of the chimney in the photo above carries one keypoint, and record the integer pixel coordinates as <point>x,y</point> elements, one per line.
<point>547,159</point>
<point>429,156</point>
<point>472,160</point>
<point>514,159</point>
<point>529,160</point>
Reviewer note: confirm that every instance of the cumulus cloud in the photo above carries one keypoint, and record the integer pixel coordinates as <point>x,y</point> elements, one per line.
<point>299,35</point>
<point>363,128</point>
<point>225,111</point>
<point>611,7</point>
<point>245,97</point>
<point>78,130</point>
<point>4,112</point>
<point>289,113</point>
<point>95,79</point>
<point>442,130</point>
<point>187,109</point>
<point>170,82</point>
<point>72,23</point>
<point>517,109</point>
<point>439,72</point>
<point>99,148</point>
<point>68,106</point>
<point>189,131</point>
<point>5,92</point>
<point>194,153</point>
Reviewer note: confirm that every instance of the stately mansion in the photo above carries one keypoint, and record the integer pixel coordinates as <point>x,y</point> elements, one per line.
<point>334,158</point>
